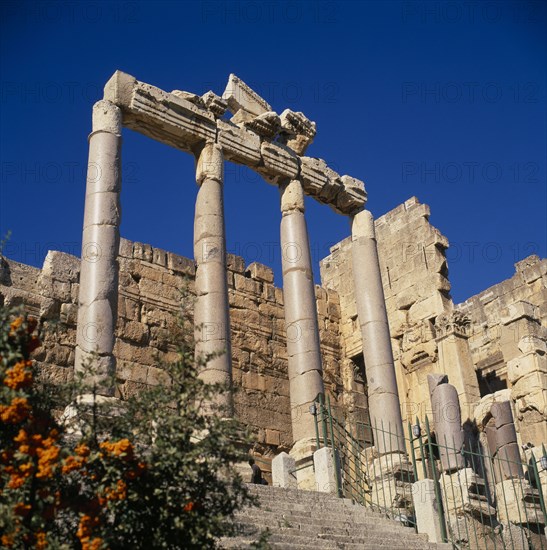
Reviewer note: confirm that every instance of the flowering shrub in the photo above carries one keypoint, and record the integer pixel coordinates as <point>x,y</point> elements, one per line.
<point>153,473</point>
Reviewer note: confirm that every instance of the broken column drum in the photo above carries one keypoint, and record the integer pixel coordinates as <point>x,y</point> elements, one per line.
<point>98,295</point>
<point>445,405</point>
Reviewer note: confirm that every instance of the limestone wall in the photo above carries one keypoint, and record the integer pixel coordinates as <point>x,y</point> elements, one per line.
<point>414,275</point>
<point>149,303</point>
<point>503,344</point>
<point>493,340</point>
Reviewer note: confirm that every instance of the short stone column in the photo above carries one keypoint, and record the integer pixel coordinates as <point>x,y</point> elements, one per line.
<point>325,467</point>
<point>283,474</point>
<point>507,459</point>
<point>98,295</point>
<point>303,348</point>
<point>211,310</point>
<point>427,509</point>
<point>383,396</point>
<point>447,419</point>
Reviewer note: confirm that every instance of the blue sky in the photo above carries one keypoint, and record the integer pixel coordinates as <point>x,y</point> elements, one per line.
<point>442,100</point>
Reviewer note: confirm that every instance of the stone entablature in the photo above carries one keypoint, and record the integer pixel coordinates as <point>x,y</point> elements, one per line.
<point>273,145</point>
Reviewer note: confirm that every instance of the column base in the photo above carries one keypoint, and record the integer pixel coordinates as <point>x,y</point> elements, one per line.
<point>302,452</point>
<point>77,413</point>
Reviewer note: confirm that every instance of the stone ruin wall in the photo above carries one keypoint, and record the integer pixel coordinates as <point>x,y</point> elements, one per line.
<point>416,286</point>
<point>507,336</point>
<point>150,281</point>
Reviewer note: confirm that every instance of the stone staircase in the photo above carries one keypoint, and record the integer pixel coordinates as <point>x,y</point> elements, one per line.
<point>306,519</point>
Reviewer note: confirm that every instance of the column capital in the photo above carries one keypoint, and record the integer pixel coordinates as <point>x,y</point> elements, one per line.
<point>362,225</point>
<point>107,117</point>
<point>292,196</point>
<point>209,163</point>
<point>452,323</point>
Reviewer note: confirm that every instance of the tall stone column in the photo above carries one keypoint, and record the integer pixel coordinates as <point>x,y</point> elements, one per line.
<point>211,310</point>
<point>383,397</point>
<point>303,348</point>
<point>98,296</point>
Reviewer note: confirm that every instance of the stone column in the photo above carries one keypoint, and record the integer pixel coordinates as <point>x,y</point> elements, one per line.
<point>383,396</point>
<point>448,423</point>
<point>98,296</point>
<point>211,310</point>
<point>303,348</point>
<point>507,459</point>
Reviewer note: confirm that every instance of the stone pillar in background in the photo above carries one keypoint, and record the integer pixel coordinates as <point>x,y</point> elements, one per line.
<point>517,500</point>
<point>452,334</point>
<point>447,419</point>
<point>507,460</point>
<point>211,310</point>
<point>98,295</point>
<point>303,349</point>
<point>383,396</point>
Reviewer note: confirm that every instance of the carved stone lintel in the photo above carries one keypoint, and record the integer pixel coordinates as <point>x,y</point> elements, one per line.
<point>256,136</point>
<point>297,131</point>
<point>266,125</point>
<point>239,96</point>
<point>352,197</point>
<point>214,103</point>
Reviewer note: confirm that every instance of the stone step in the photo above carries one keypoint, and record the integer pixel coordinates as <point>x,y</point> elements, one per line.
<point>290,543</point>
<point>328,532</point>
<point>317,523</point>
<point>299,519</point>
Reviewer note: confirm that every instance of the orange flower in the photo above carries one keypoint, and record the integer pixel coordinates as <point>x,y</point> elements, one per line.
<point>189,506</point>
<point>86,525</point>
<point>82,450</point>
<point>16,412</point>
<point>47,458</point>
<point>21,509</point>
<point>16,481</point>
<point>122,448</point>
<point>14,325</point>
<point>7,540</point>
<point>18,377</point>
<point>92,544</point>
<point>72,463</point>
<point>41,540</point>
<point>119,493</point>
<point>137,471</point>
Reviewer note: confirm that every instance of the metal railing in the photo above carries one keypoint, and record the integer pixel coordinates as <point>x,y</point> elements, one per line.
<point>481,501</point>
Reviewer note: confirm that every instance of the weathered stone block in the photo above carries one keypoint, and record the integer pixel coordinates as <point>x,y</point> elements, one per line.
<point>283,475</point>
<point>260,272</point>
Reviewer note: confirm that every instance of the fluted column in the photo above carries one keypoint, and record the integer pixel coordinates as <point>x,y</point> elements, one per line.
<point>303,348</point>
<point>211,311</point>
<point>98,295</point>
<point>383,397</point>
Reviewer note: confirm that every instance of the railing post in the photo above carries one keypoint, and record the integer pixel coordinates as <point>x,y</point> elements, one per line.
<point>334,452</point>
<point>540,488</point>
<point>442,523</point>
<point>412,453</point>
